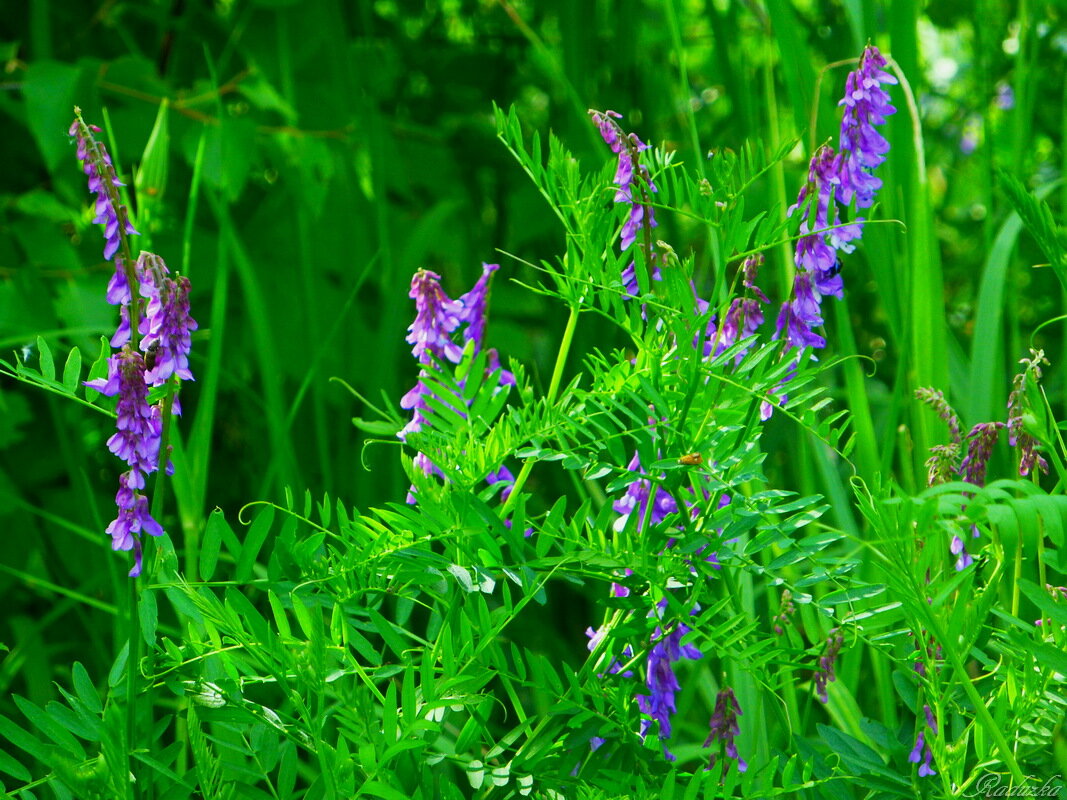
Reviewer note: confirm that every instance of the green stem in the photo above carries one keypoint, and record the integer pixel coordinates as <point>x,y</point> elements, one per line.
<point>984,717</point>
<point>133,657</point>
<point>553,391</point>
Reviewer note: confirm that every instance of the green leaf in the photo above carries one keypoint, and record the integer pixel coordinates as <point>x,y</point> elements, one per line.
<point>13,768</point>
<point>852,594</point>
<point>212,542</point>
<point>48,365</point>
<point>48,726</point>
<point>257,535</point>
<point>85,688</point>
<point>149,616</point>
<point>23,740</point>
<point>72,370</point>
<point>385,628</point>
<point>151,178</point>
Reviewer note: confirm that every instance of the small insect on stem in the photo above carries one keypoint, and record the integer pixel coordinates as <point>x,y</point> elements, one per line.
<point>691,460</point>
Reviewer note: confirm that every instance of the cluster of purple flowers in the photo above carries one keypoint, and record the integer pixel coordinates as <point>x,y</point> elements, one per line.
<point>945,463</point>
<point>104,183</point>
<point>661,681</point>
<point>832,179</point>
<point>628,147</point>
<point>825,673</point>
<point>437,319</point>
<point>921,751</point>
<point>154,340</point>
<point>724,728</point>
<point>1029,458</point>
<point>835,180</point>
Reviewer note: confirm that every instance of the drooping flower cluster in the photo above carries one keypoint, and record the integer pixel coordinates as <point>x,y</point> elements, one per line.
<point>825,673</point>
<point>103,182</point>
<point>641,218</point>
<point>833,179</point>
<point>725,728</point>
<point>921,751</point>
<point>661,681</point>
<point>786,609</point>
<point>160,305</point>
<point>1029,458</point>
<point>139,427</point>
<point>437,319</point>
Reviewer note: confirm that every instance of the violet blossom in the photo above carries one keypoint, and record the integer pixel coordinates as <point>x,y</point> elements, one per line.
<point>628,147</point>
<point>163,326</point>
<point>1029,458</point>
<point>725,728</point>
<point>836,179</point>
<point>133,519</point>
<point>139,428</point>
<point>437,319</point>
<point>662,683</point>
<point>921,751</point>
<point>825,673</point>
<point>104,183</point>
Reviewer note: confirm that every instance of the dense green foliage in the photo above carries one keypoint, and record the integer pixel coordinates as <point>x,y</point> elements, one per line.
<point>301,631</point>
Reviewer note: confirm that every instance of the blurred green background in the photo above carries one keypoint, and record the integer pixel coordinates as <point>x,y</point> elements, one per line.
<point>311,156</point>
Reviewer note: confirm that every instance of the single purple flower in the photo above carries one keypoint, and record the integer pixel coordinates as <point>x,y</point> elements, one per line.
<point>635,499</point>
<point>724,728</point>
<point>959,549</point>
<point>118,286</point>
<point>502,475</point>
<point>615,668</point>
<point>1005,99</point>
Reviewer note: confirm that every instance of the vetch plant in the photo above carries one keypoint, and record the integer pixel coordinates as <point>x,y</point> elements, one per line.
<point>615,575</point>
<point>154,318</point>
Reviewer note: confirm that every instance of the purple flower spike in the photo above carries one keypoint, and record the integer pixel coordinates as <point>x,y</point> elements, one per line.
<point>436,317</point>
<point>662,683</point>
<point>980,443</point>
<point>637,194</point>
<point>1018,407</point>
<point>921,751</point>
<point>825,673</point>
<point>139,428</point>
<point>862,148</point>
<point>474,303</point>
<point>835,179</point>
<point>133,519</point>
<point>166,325</point>
<point>725,728</point>
<point>103,182</point>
